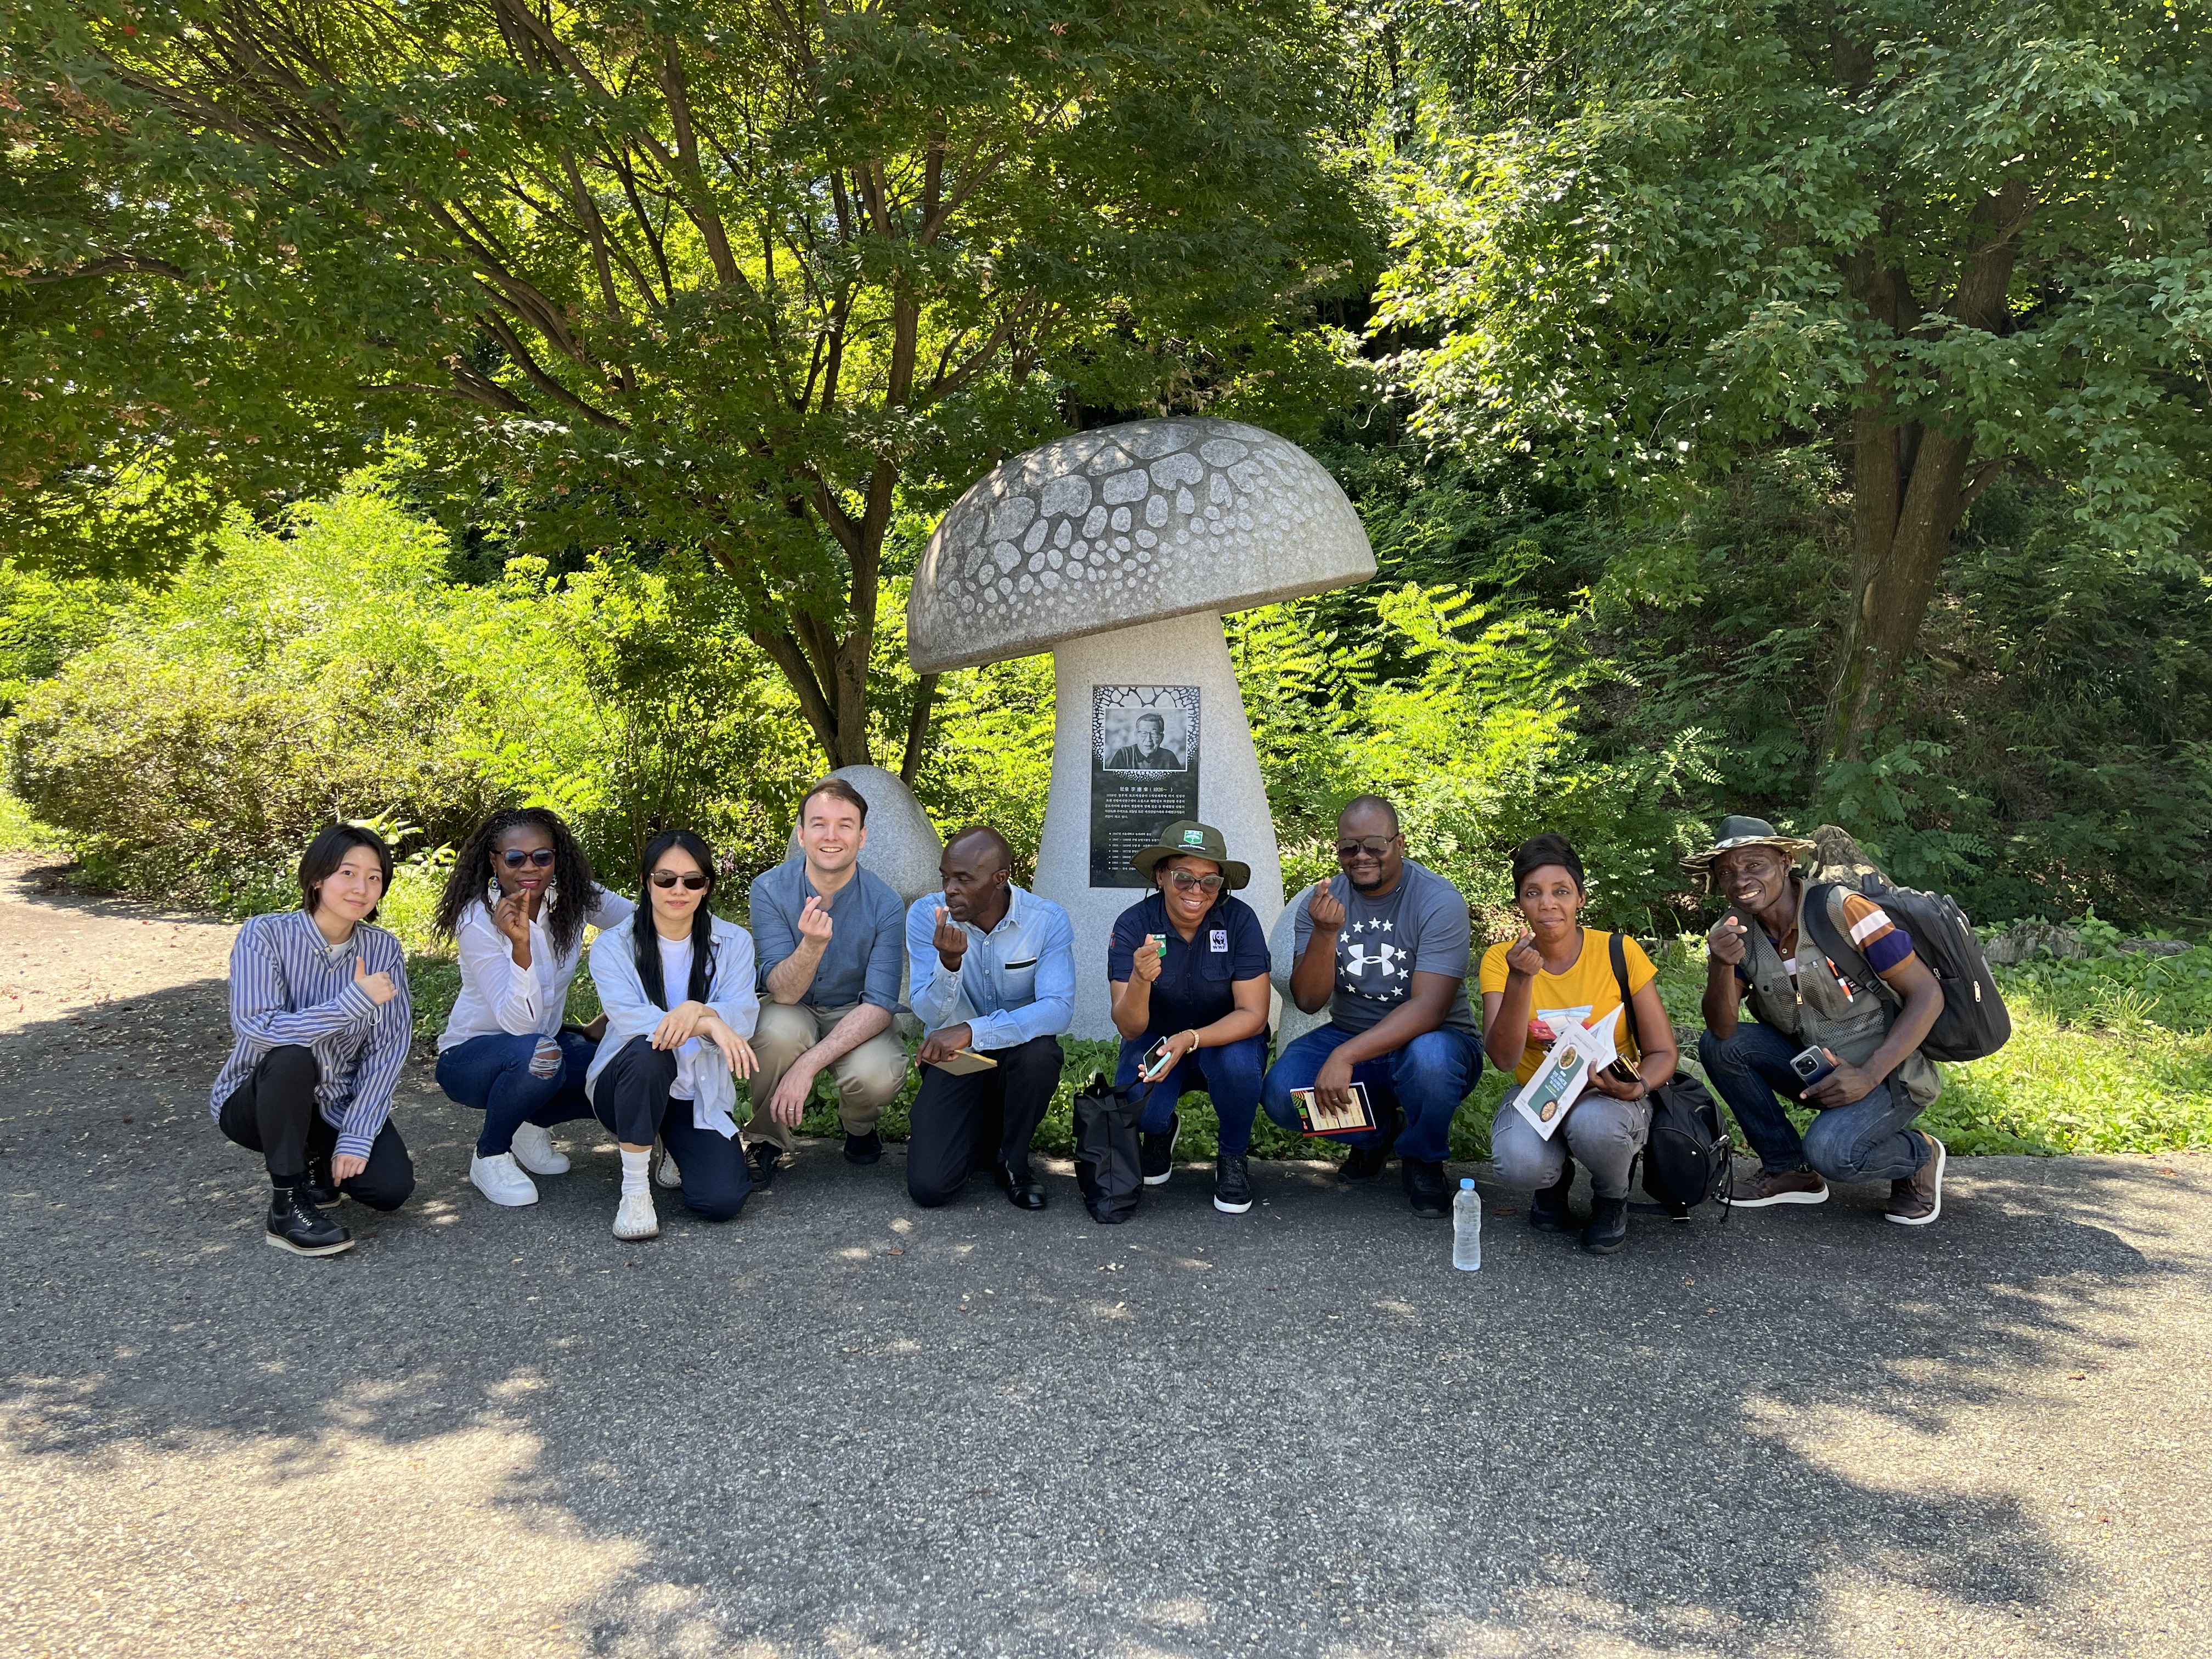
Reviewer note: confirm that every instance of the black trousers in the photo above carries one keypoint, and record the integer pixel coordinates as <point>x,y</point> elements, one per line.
<point>274,1113</point>
<point>632,1099</point>
<point>966,1122</point>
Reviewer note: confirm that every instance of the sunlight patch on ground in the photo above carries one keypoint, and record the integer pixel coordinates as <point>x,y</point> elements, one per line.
<point>340,1542</point>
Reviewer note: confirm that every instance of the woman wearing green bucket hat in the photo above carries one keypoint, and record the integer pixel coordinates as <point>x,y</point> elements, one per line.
<point>1188,967</point>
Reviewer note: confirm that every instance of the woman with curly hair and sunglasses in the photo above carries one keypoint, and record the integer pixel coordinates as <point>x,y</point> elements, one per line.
<point>678,985</point>
<point>516,907</point>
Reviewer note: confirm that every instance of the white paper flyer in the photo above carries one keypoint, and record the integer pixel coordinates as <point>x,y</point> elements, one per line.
<point>1578,1051</point>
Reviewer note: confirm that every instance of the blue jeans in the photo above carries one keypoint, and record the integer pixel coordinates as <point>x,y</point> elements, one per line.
<point>1869,1139</point>
<point>1228,1076</point>
<point>1427,1079</point>
<point>494,1073</point>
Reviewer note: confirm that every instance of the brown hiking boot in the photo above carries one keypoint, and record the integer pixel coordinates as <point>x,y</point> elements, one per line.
<point>1778,1187</point>
<point>1918,1198</point>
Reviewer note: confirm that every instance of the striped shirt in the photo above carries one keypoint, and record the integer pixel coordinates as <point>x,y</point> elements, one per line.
<point>290,987</point>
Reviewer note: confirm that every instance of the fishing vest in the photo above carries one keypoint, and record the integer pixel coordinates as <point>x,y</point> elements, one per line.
<point>1818,1010</point>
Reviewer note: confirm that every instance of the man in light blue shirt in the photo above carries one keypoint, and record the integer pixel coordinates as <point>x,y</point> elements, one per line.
<point>992,975</point>
<point>829,936</point>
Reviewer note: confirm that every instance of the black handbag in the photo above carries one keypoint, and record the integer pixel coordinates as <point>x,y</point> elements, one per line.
<point>1107,1163</point>
<point>1687,1157</point>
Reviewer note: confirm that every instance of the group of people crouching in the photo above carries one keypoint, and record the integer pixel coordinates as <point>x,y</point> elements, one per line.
<point>692,1003</point>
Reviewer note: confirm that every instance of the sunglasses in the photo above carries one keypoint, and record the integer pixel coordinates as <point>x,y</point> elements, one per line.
<point>514,859</point>
<point>692,882</point>
<point>1185,881</point>
<point>1373,845</point>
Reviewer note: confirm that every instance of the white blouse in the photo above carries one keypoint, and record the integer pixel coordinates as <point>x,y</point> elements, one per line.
<point>499,998</point>
<point>676,979</point>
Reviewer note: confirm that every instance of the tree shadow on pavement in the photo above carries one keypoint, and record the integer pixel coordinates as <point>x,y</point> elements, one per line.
<point>842,1424</point>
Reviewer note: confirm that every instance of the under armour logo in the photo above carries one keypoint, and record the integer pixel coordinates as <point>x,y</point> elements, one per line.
<point>1357,959</point>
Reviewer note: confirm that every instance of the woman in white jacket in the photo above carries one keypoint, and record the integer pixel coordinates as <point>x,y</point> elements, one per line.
<point>676,983</point>
<point>516,907</point>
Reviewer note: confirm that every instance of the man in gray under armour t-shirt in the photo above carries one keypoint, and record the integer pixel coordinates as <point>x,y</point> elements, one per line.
<point>1384,946</point>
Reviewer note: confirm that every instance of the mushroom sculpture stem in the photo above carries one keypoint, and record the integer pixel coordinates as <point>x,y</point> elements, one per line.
<point>1092,808</point>
<point>1118,551</point>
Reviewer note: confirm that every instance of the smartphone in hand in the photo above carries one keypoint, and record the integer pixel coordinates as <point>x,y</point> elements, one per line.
<point>1811,1066</point>
<point>1154,1066</point>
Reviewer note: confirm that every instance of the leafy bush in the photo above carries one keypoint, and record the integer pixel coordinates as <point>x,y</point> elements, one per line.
<point>330,669</point>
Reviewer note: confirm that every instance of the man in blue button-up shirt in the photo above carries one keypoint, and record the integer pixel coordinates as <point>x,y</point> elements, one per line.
<point>993,973</point>
<point>829,934</point>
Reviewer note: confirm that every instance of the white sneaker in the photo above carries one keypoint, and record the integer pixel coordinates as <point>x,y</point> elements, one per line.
<point>535,1152</point>
<point>501,1181</point>
<point>635,1219</point>
<point>664,1172</point>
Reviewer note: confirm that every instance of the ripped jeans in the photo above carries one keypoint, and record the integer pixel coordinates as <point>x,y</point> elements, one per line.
<point>514,1080</point>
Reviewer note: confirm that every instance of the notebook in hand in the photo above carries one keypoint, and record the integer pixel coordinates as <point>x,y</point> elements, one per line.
<point>961,1061</point>
<point>1354,1115</point>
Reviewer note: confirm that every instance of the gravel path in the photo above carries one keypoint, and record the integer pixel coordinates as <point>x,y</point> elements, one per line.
<point>842,1427</point>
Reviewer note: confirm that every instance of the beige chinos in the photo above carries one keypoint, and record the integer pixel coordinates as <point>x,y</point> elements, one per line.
<point>868,1078</point>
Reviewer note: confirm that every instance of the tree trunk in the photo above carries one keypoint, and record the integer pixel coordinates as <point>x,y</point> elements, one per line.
<point>1911,484</point>
<point>1908,495</point>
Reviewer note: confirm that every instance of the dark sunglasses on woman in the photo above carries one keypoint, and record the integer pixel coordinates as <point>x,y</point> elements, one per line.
<point>1185,881</point>
<point>515,858</point>
<point>692,882</point>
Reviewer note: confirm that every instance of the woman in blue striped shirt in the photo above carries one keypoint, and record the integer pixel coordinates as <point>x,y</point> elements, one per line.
<point>318,1002</point>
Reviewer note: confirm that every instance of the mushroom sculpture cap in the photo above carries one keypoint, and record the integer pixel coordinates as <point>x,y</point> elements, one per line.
<point>1125,525</point>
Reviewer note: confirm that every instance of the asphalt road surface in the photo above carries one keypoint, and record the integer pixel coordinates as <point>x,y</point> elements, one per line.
<point>841,1426</point>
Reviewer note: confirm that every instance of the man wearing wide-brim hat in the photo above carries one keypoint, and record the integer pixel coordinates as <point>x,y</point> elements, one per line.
<point>1868,1036</point>
<point>1188,964</point>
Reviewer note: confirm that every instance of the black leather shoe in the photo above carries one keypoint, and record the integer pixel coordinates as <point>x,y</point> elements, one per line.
<point>1023,1189</point>
<point>297,1225</point>
<point>765,1160</point>
<point>1547,1210</point>
<point>864,1149</point>
<point>1366,1163</point>
<point>1424,1186</point>
<point>1608,1226</point>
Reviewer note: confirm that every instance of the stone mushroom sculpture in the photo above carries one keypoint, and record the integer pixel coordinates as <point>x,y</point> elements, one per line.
<point>1118,551</point>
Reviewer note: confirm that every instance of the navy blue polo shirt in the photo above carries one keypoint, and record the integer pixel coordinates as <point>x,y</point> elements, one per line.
<point>1195,976</point>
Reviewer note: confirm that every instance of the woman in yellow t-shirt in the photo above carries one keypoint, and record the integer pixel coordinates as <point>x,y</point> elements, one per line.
<point>1556,971</point>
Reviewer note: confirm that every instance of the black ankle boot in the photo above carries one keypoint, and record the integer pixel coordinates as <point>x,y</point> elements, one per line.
<point>1548,1209</point>
<point>317,1187</point>
<point>296,1224</point>
<point>1608,1226</point>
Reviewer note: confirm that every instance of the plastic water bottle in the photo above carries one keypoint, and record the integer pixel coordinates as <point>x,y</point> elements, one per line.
<point>1466,1228</point>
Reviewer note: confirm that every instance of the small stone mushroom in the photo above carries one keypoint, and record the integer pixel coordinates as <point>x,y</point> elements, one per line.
<point>1118,551</point>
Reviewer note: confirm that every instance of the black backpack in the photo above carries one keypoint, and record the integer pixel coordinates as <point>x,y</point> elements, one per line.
<point>1687,1157</point>
<point>1107,1160</point>
<point>1974,1023</point>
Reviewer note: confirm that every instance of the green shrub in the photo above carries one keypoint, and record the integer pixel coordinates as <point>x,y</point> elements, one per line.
<point>280,682</point>
<point>330,669</point>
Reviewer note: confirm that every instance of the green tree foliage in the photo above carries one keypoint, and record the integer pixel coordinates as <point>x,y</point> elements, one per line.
<point>333,669</point>
<point>1967,238</point>
<point>676,274</point>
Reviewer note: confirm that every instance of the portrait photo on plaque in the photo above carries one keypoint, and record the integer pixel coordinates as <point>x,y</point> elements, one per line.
<point>1144,773</point>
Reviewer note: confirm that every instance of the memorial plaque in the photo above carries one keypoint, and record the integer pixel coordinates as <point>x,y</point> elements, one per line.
<point>1144,773</point>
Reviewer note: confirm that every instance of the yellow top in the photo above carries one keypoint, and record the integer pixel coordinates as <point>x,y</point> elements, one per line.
<point>1587,992</point>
